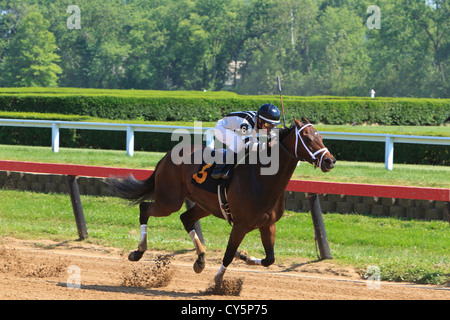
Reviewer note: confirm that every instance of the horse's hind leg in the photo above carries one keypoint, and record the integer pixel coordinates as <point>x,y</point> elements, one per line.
<point>143,219</point>
<point>168,194</point>
<point>149,209</point>
<point>189,218</point>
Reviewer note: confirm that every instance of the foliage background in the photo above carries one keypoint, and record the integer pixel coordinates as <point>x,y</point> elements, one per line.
<point>319,47</point>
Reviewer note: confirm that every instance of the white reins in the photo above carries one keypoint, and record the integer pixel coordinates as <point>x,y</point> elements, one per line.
<point>313,155</point>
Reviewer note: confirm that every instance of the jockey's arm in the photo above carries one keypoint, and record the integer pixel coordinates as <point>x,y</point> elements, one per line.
<point>254,144</point>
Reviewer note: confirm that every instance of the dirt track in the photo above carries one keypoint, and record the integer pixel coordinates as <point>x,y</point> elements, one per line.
<point>39,270</point>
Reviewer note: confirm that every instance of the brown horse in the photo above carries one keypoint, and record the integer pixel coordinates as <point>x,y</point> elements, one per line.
<point>255,200</point>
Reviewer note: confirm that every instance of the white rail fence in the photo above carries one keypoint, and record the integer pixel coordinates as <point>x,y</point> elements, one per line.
<point>208,134</point>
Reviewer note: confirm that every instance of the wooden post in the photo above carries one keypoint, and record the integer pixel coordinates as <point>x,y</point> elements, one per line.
<point>77,206</point>
<point>319,227</point>
<point>447,204</point>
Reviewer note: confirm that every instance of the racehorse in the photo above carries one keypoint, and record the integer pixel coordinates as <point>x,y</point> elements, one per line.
<point>255,200</point>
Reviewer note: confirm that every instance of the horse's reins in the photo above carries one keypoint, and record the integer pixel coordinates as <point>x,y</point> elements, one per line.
<point>313,155</point>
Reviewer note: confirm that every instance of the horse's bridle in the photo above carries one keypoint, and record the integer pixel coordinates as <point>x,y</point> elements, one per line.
<point>298,136</point>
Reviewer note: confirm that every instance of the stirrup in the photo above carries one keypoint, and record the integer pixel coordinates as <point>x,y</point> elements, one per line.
<point>220,172</point>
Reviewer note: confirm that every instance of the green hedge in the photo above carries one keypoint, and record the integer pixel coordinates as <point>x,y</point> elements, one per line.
<point>190,106</point>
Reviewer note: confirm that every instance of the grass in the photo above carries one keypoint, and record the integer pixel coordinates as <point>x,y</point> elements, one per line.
<point>438,131</point>
<point>404,250</point>
<point>345,171</point>
<point>93,157</point>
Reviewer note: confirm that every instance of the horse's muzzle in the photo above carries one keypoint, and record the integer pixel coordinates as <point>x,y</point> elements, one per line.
<point>328,163</point>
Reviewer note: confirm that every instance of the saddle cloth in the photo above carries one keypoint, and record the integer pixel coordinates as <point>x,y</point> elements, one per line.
<point>202,179</point>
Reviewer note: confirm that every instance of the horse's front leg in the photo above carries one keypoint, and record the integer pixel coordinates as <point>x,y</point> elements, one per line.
<point>268,241</point>
<point>236,236</point>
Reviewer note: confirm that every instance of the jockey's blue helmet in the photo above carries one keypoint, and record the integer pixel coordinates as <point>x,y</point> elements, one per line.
<point>269,113</point>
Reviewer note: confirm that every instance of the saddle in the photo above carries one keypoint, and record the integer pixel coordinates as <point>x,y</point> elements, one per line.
<point>202,179</point>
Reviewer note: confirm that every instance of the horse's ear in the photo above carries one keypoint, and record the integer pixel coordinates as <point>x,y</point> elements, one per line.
<point>305,120</point>
<point>297,123</point>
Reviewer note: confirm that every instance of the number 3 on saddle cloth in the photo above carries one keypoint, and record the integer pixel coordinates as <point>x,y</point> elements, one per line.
<point>202,179</point>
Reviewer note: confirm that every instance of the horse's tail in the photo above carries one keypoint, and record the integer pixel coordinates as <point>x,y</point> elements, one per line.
<point>136,191</point>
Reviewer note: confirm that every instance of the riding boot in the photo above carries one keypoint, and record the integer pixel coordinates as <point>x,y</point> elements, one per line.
<point>221,171</point>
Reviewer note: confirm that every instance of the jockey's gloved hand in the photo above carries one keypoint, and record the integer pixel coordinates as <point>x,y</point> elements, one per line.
<point>273,143</point>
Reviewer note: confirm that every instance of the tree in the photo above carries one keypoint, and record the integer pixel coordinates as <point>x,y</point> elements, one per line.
<point>406,60</point>
<point>145,64</point>
<point>432,19</point>
<point>318,47</point>
<point>30,58</point>
<point>316,52</point>
<point>181,44</point>
<point>263,48</point>
<point>94,55</point>
<point>340,57</point>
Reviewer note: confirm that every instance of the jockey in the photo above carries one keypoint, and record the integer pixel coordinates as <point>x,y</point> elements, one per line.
<point>238,131</point>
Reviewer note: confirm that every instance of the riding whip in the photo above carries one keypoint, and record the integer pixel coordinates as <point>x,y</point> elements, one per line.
<point>281,98</point>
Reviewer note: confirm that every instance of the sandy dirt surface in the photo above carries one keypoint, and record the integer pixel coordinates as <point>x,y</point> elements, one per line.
<point>46,270</point>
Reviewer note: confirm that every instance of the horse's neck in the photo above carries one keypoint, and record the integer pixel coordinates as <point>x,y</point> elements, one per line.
<point>277,181</point>
<point>280,180</point>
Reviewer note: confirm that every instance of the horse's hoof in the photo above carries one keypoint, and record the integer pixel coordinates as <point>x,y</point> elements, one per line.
<point>199,264</point>
<point>135,255</point>
<point>218,279</point>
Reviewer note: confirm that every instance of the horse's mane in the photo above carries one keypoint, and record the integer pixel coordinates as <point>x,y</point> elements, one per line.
<point>283,133</point>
